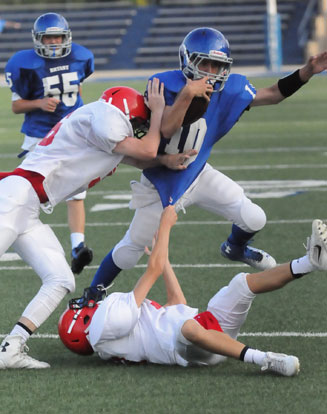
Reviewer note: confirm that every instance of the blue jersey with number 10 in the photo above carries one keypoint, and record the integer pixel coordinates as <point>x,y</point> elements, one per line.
<point>223,112</point>
<point>34,77</point>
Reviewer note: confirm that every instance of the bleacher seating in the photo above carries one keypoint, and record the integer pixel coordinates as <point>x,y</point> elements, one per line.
<point>98,26</point>
<point>241,21</point>
<point>122,36</point>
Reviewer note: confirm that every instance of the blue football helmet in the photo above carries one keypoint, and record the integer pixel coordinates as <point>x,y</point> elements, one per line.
<point>201,45</point>
<point>56,25</point>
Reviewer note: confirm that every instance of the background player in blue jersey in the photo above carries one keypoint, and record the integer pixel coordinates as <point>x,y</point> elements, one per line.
<point>205,73</point>
<point>46,86</point>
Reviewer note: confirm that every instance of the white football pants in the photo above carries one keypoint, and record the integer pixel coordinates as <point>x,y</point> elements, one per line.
<point>35,242</point>
<point>230,306</point>
<point>212,191</point>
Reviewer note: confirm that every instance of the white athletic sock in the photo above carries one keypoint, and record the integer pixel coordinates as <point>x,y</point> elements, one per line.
<point>19,330</point>
<point>254,356</point>
<point>301,266</point>
<point>76,239</point>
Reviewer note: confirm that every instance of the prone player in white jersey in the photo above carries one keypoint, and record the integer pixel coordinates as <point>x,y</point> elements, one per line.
<point>129,327</point>
<point>83,148</point>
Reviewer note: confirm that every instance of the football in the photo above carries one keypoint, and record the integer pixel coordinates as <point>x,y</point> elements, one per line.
<point>197,108</point>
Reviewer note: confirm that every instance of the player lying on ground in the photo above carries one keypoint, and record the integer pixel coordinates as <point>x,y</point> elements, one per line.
<point>79,151</point>
<point>128,326</point>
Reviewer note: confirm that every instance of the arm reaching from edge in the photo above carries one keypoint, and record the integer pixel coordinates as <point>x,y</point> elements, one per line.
<point>158,256</point>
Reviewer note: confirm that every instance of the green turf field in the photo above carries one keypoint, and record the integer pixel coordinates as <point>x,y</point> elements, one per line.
<point>279,155</point>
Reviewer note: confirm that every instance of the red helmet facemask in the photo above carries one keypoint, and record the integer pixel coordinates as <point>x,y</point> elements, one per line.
<point>131,103</point>
<point>73,327</point>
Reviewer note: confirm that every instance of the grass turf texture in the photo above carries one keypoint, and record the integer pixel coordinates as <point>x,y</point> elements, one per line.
<point>83,384</point>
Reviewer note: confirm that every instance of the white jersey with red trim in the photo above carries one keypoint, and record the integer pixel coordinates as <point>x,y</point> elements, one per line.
<point>149,333</point>
<point>78,151</point>
<point>153,333</point>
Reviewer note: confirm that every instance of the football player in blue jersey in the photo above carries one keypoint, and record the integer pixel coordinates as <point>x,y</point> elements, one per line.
<point>46,86</point>
<point>205,64</point>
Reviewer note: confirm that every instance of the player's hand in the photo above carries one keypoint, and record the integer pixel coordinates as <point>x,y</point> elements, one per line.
<point>169,216</point>
<point>155,96</point>
<point>177,161</point>
<point>200,88</point>
<point>316,64</point>
<point>49,104</point>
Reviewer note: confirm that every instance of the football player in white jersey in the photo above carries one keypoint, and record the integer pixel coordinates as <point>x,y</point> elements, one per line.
<point>83,148</point>
<point>129,327</point>
<point>46,86</point>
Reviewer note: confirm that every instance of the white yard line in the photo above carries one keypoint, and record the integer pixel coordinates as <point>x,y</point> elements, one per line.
<point>252,334</point>
<point>128,170</point>
<point>191,223</point>
<point>217,150</point>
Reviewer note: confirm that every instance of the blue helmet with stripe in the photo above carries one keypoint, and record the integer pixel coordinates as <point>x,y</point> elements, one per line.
<point>201,45</point>
<point>52,24</point>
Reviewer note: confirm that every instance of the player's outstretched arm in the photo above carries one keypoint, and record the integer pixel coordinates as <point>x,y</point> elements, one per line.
<point>316,64</point>
<point>175,295</point>
<point>158,256</point>
<point>288,85</point>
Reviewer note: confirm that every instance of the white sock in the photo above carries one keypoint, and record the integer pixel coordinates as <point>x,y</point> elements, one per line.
<point>19,330</point>
<point>76,239</point>
<point>254,356</point>
<point>301,266</point>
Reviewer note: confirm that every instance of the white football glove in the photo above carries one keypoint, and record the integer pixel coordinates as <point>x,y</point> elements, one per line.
<point>317,245</point>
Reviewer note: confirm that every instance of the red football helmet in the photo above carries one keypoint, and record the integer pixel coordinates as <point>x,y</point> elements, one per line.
<point>73,326</point>
<point>131,103</point>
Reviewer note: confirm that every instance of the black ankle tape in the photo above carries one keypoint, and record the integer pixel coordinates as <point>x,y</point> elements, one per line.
<point>24,327</point>
<point>242,354</point>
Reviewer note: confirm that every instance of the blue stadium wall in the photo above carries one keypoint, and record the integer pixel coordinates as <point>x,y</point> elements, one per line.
<point>122,36</point>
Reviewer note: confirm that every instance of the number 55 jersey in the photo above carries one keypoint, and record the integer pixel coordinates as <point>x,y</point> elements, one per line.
<point>31,77</point>
<point>223,112</point>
